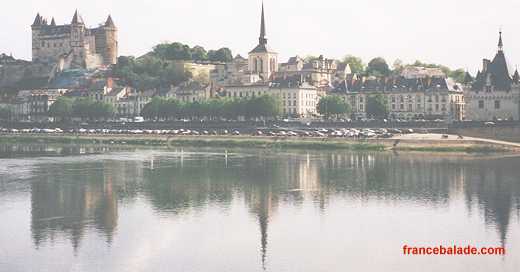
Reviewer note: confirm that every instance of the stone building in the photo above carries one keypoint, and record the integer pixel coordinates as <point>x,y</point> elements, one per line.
<point>191,91</point>
<point>34,105</point>
<point>409,96</point>
<point>318,72</point>
<point>298,98</point>
<point>74,43</point>
<point>494,94</point>
<point>263,60</point>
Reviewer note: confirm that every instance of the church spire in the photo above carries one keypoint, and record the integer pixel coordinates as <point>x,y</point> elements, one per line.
<point>500,43</point>
<point>262,40</point>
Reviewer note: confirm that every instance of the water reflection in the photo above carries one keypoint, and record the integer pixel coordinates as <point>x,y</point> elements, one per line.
<point>69,198</point>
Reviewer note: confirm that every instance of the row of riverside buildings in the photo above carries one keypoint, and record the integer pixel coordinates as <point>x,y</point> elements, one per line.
<point>77,62</point>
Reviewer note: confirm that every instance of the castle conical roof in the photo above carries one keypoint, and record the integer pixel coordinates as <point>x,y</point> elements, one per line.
<point>53,23</point>
<point>516,77</point>
<point>37,20</point>
<point>77,18</point>
<point>109,22</point>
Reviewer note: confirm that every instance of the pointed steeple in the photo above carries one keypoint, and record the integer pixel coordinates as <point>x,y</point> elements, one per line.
<point>53,23</point>
<point>500,43</point>
<point>37,20</point>
<point>76,20</point>
<point>109,22</point>
<point>262,40</point>
<point>516,77</point>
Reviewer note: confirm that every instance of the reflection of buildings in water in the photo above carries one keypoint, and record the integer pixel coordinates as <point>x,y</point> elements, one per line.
<point>494,188</point>
<point>84,196</point>
<point>262,203</point>
<point>301,174</point>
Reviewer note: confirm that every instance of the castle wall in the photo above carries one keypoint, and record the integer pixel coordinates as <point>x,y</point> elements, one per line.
<point>51,42</point>
<point>486,106</point>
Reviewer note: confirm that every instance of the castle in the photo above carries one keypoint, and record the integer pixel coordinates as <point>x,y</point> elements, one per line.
<point>74,45</point>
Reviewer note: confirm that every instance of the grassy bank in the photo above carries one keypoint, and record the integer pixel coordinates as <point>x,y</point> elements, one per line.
<point>260,142</point>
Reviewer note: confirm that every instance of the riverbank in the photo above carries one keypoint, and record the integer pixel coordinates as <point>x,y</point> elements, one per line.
<point>419,143</point>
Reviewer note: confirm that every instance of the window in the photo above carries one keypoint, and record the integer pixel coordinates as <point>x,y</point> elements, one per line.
<point>481,104</point>
<point>393,106</point>
<point>401,106</point>
<point>497,104</point>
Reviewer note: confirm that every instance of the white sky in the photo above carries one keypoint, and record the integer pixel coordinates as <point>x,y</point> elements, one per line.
<point>457,33</point>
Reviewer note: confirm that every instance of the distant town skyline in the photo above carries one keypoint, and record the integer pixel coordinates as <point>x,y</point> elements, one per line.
<point>453,33</point>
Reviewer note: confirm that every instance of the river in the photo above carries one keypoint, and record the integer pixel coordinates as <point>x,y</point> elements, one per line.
<point>77,208</point>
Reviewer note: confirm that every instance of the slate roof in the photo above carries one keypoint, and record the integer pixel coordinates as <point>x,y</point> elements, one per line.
<point>110,22</point>
<point>77,18</point>
<point>389,84</point>
<point>496,72</point>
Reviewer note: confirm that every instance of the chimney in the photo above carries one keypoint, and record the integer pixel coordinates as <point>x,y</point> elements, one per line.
<point>485,65</point>
<point>110,82</point>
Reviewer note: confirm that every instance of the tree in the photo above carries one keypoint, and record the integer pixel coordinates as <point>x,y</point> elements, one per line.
<point>355,63</point>
<point>398,67</point>
<point>5,113</point>
<point>264,106</point>
<point>199,53</point>
<point>378,67</point>
<point>458,75</point>
<point>222,55</point>
<point>88,109</point>
<point>333,105</point>
<point>61,109</point>
<point>377,106</point>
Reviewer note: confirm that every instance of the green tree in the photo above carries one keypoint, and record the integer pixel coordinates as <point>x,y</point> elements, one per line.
<point>5,113</point>
<point>356,64</point>
<point>377,106</point>
<point>222,55</point>
<point>397,67</point>
<point>333,105</point>
<point>85,108</point>
<point>458,75</point>
<point>378,67</point>
<point>61,109</point>
<point>264,106</point>
<point>199,53</point>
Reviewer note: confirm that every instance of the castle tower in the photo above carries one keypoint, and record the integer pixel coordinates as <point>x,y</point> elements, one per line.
<point>262,60</point>
<point>77,32</point>
<point>106,42</point>
<point>36,28</point>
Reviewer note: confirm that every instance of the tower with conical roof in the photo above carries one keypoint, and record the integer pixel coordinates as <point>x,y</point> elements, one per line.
<point>74,43</point>
<point>262,60</point>
<point>106,41</point>
<point>494,93</point>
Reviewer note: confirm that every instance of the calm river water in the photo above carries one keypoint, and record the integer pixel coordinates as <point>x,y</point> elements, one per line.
<point>99,209</point>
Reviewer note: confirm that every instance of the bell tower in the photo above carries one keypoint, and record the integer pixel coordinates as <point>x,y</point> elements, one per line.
<point>262,60</point>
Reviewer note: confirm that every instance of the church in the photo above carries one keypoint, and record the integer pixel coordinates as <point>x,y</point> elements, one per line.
<point>263,61</point>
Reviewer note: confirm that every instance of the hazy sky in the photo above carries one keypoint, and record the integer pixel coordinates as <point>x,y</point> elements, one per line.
<point>458,33</point>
